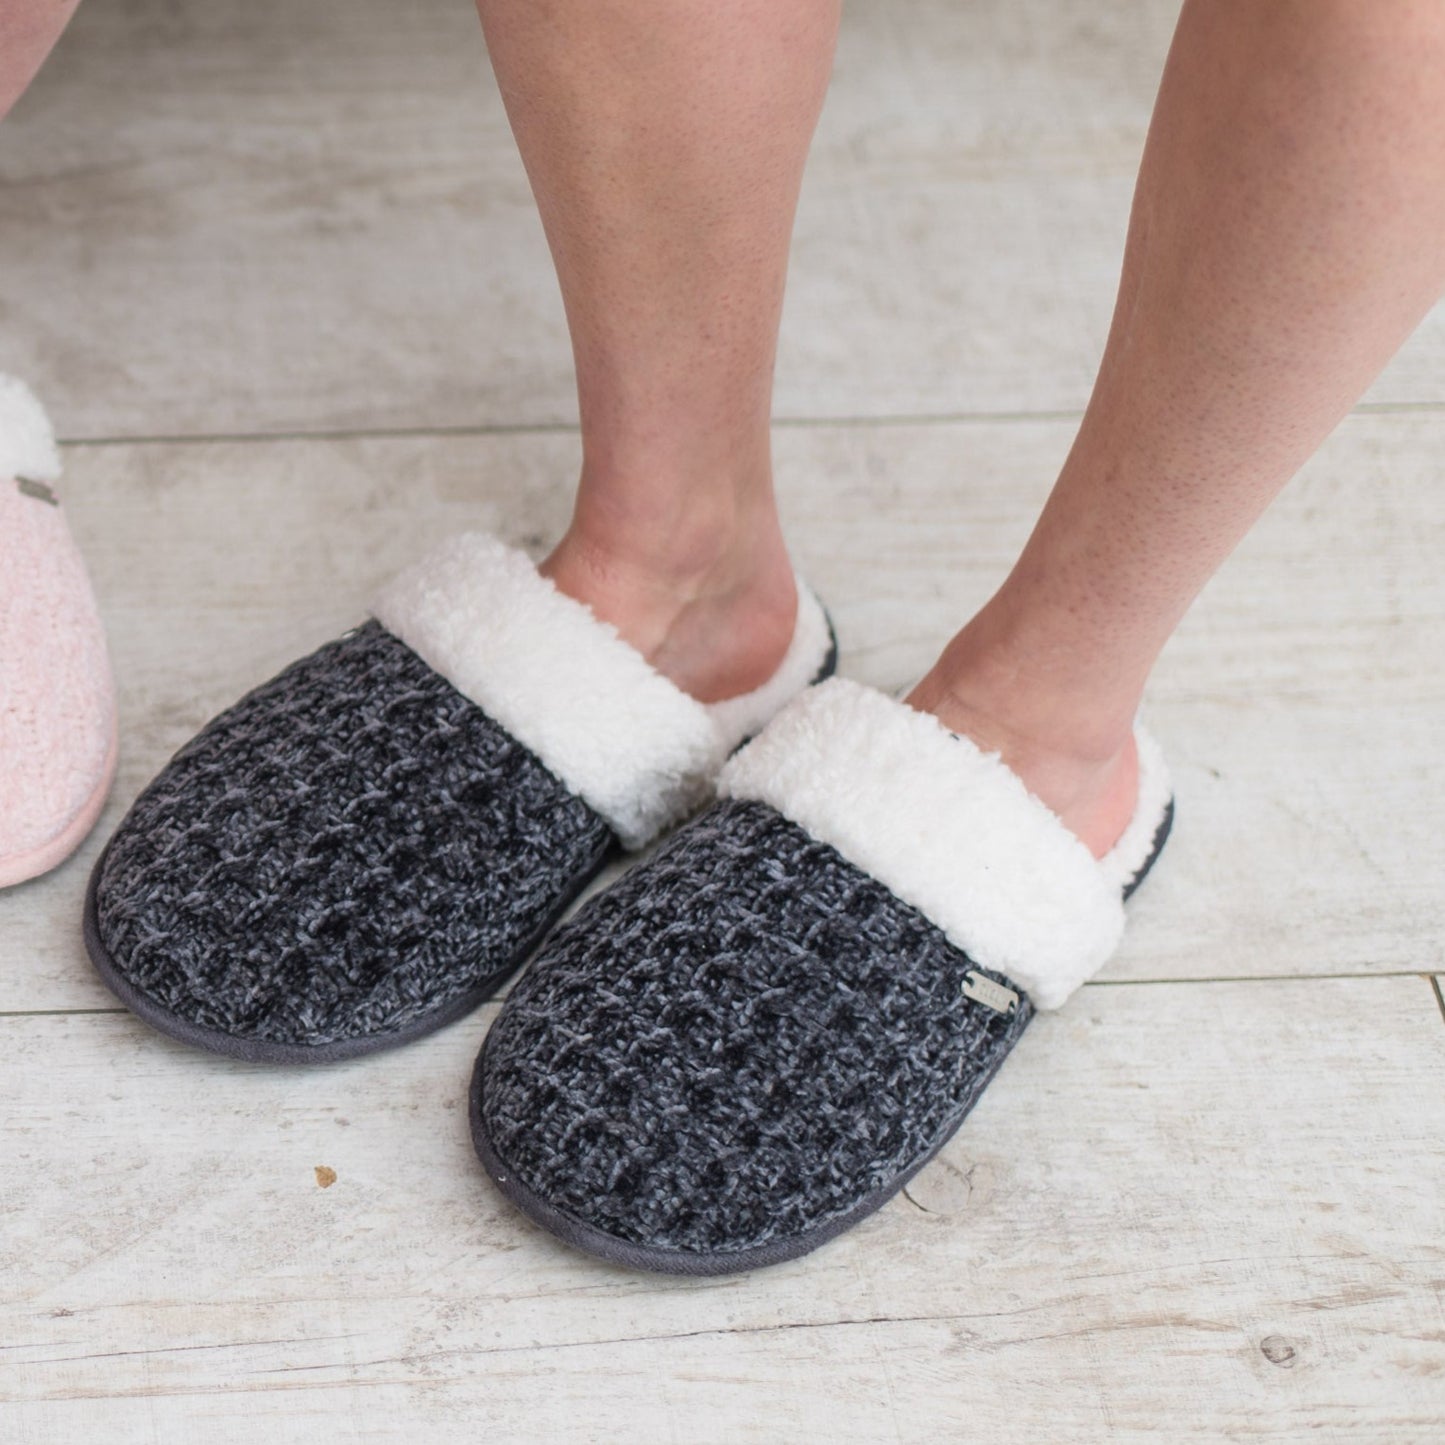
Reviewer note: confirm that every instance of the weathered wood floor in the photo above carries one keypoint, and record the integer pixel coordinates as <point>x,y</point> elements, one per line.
<point>275,270</point>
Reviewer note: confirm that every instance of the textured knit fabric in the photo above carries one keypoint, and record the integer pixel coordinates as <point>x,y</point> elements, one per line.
<point>741,1041</point>
<point>994,868</point>
<point>57,703</point>
<point>352,848</point>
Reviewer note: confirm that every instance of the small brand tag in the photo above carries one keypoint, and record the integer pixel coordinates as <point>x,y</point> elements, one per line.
<point>990,994</point>
<point>38,490</point>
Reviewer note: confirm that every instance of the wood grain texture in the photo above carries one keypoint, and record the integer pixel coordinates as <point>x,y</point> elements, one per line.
<point>1300,704</point>
<point>1201,1211</point>
<point>300,215</point>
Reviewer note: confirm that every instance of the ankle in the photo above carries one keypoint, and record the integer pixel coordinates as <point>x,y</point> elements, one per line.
<point>1073,748</point>
<point>711,607</point>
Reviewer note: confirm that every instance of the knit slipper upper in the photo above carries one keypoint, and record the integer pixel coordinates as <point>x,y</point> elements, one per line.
<point>762,1032</point>
<point>362,849</point>
<point>57,700</point>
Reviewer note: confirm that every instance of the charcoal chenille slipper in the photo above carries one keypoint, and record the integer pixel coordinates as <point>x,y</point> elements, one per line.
<point>759,1034</point>
<point>364,848</point>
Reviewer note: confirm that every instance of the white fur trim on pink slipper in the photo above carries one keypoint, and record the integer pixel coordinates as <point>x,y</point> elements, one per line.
<point>951,830</point>
<point>27,444</point>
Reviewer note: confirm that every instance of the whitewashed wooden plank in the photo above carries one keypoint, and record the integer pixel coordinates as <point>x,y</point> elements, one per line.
<point>239,219</point>
<point>863,1384</point>
<point>277,216</point>
<point>1301,704</point>
<point>1208,1210</point>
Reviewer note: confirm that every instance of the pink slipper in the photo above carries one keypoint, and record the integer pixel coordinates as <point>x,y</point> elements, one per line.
<point>57,700</point>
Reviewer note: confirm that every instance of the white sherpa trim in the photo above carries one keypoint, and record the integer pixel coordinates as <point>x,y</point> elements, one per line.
<point>615,730</point>
<point>27,444</point>
<point>949,829</point>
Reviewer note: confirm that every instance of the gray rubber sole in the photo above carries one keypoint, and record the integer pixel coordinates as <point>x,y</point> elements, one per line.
<point>580,1235</point>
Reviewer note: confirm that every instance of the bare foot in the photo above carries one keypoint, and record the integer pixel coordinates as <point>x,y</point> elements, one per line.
<point>716,618</point>
<point>1088,779</point>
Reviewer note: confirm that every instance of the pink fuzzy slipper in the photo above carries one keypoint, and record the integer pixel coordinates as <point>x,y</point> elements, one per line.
<point>57,701</point>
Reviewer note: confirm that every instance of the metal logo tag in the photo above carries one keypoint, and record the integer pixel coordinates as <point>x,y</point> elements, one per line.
<point>990,994</point>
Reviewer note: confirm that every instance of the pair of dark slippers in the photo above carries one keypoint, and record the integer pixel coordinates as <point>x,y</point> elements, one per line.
<point>743,1047</point>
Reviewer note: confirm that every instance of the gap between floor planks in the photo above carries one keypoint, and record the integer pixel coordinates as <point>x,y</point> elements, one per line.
<point>1431,979</point>
<point>569,428</point>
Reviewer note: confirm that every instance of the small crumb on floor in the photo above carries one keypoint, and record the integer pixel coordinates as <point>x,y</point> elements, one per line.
<point>325,1177</point>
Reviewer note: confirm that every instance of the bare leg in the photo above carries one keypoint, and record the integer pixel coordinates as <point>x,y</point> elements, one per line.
<point>1288,233</point>
<point>28,30</point>
<point>665,142</point>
